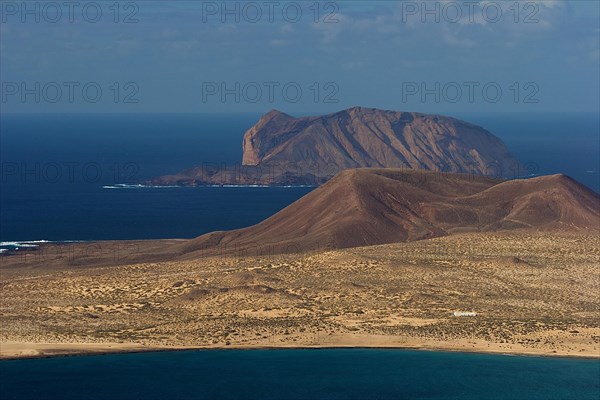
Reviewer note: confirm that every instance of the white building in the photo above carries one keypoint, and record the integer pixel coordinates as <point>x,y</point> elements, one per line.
<point>465,314</point>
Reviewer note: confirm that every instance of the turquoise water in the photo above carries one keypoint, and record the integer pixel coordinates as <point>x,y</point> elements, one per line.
<point>301,374</point>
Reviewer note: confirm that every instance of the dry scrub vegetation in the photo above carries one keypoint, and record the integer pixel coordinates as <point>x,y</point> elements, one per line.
<point>532,292</point>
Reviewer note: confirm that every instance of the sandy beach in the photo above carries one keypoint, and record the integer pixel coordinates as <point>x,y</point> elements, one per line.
<point>22,350</point>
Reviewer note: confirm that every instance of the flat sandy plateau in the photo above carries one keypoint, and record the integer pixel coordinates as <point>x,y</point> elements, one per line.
<point>534,293</point>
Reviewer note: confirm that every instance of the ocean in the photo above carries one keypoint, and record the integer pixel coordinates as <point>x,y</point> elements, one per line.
<point>59,171</point>
<point>59,174</point>
<point>359,374</point>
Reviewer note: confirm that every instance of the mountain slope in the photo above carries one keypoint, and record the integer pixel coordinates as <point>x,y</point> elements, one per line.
<point>362,207</point>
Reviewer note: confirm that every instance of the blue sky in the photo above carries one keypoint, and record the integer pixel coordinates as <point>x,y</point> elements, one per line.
<point>187,56</point>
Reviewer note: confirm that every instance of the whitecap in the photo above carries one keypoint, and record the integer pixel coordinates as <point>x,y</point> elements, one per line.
<point>136,186</point>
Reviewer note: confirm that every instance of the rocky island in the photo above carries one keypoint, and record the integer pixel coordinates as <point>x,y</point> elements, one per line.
<point>282,150</point>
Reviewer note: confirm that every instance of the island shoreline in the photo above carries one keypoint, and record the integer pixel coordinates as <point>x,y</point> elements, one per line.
<point>135,348</point>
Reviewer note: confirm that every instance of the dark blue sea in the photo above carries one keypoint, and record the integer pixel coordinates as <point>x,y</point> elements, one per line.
<point>59,170</point>
<point>359,374</point>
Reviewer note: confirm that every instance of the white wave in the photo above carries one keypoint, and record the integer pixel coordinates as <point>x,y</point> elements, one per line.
<point>23,241</point>
<point>31,244</point>
<point>136,186</point>
<point>17,245</point>
<point>244,186</point>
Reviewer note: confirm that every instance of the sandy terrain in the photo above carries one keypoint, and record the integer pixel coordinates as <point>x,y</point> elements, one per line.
<point>534,293</point>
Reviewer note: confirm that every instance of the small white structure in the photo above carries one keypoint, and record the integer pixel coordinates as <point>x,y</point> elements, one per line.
<point>465,314</point>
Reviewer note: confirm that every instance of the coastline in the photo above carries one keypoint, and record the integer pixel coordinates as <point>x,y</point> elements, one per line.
<point>29,350</point>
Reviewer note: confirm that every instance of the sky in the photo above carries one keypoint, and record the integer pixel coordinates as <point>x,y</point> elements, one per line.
<point>299,56</point>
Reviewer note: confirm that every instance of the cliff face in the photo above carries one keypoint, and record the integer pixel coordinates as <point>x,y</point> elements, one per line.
<point>367,137</point>
<point>282,150</point>
<point>362,207</point>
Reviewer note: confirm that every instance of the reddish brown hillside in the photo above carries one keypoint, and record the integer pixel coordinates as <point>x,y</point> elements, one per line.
<point>375,206</point>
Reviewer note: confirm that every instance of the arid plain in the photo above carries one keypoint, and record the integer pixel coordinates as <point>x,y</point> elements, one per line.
<point>532,292</point>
